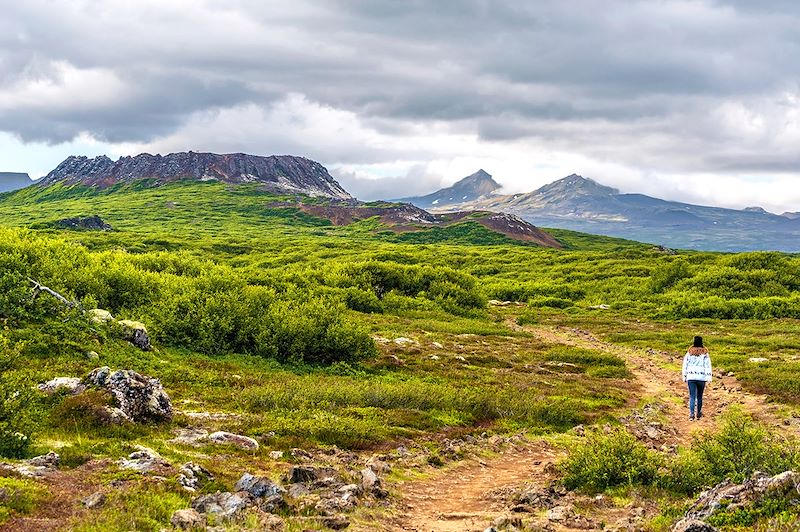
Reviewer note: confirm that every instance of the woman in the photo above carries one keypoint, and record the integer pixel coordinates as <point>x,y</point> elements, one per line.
<point>696,373</point>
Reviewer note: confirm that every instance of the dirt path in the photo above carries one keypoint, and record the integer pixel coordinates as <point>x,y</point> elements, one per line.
<point>461,498</point>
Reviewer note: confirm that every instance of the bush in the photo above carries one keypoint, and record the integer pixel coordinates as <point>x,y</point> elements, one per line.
<point>16,398</point>
<point>608,460</point>
<point>738,450</point>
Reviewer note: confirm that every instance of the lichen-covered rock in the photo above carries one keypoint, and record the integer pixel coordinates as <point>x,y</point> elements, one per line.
<point>234,439</point>
<point>193,476</point>
<point>49,460</point>
<point>135,333</point>
<point>222,505</point>
<point>143,460</point>
<point>71,384</point>
<point>141,399</point>
<point>302,474</point>
<point>99,316</point>
<point>258,487</point>
<point>692,525</point>
<point>95,500</point>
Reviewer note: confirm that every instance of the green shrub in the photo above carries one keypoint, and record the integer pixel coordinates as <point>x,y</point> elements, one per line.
<point>606,460</point>
<point>16,400</point>
<point>552,302</point>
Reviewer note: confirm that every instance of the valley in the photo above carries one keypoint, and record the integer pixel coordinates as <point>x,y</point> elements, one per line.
<point>333,364</point>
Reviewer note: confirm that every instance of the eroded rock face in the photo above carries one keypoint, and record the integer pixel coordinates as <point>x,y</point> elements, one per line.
<point>140,398</point>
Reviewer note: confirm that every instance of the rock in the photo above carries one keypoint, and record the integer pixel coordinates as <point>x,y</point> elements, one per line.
<point>258,487</point>
<point>238,440</point>
<point>559,513</point>
<point>378,465</point>
<point>71,384</point>
<point>301,454</point>
<point>95,500</point>
<point>692,525</point>
<point>507,521</point>
<point>296,491</point>
<point>193,476</point>
<point>349,488</point>
<point>369,480</point>
<point>136,333</point>
<point>276,455</point>
<point>301,474</point>
<point>143,460</point>
<point>92,355</point>
<point>272,523</point>
<point>189,436</point>
<point>757,360</point>
<point>47,461</point>
<point>336,522</point>
<point>222,505</point>
<point>141,399</point>
<point>99,316</point>
<point>83,223</point>
<point>187,519</point>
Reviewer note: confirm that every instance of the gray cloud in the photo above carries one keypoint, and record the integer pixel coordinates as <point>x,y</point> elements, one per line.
<point>670,85</point>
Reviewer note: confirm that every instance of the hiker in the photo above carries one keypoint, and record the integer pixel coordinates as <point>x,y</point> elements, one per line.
<point>696,373</point>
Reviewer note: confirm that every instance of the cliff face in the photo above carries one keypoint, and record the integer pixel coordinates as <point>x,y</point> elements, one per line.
<point>13,181</point>
<point>282,173</point>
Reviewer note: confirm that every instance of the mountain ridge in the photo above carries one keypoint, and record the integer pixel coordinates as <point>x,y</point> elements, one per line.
<point>10,181</point>
<point>582,204</point>
<point>473,187</point>
<point>280,173</point>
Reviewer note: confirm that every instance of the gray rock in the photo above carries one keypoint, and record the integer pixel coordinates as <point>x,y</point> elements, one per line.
<point>238,440</point>
<point>187,519</point>
<point>692,525</point>
<point>143,460</point>
<point>71,384</point>
<point>222,505</point>
<point>99,316</point>
<point>48,461</point>
<point>258,487</point>
<point>193,476</point>
<point>369,480</point>
<point>140,398</point>
<point>559,513</point>
<point>189,436</point>
<point>92,355</point>
<point>95,500</point>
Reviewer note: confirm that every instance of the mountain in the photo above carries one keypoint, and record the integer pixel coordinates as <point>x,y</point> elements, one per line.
<point>13,181</point>
<point>582,204</point>
<point>470,188</point>
<point>278,173</point>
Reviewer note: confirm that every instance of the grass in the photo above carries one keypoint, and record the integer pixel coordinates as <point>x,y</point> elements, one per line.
<point>237,290</point>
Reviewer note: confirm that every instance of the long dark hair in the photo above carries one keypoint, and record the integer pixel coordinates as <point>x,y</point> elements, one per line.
<point>698,341</point>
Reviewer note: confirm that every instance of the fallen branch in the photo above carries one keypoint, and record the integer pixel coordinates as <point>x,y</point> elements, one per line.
<point>38,288</point>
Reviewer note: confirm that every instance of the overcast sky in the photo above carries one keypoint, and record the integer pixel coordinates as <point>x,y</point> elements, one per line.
<point>689,100</point>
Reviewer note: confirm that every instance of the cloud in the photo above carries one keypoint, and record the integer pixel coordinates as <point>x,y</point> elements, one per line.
<point>414,93</point>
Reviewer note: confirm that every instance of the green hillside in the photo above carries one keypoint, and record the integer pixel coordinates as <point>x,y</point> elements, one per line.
<point>307,334</point>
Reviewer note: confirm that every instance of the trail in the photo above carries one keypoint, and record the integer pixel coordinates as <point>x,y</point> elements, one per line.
<point>460,498</point>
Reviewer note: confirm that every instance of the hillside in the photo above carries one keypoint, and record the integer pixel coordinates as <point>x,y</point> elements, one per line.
<point>332,364</point>
<point>581,204</point>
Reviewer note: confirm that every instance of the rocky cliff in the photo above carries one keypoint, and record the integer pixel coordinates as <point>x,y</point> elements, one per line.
<point>281,173</point>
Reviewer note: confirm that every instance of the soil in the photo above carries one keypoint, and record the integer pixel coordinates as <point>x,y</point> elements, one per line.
<point>459,498</point>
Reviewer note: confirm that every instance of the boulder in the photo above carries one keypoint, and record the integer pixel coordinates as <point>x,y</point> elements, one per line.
<point>187,519</point>
<point>141,399</point>
<point>135,333</point>
<point>49,460</point>
<point>95,500</point>
<point>692,525</point>
<point>71,384</point>
<point>302,474</point>
<point>258,487</point>
<point>193,476</point>
<point>336,522</point>
<point>99,316</point>
<point>238,440</point>
<point>143,460</point>
<point>222,505</point>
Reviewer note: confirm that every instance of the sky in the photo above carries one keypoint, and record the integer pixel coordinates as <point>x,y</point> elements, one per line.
<point>695,101</point>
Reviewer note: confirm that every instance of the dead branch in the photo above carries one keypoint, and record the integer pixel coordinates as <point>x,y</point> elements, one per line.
<point>38,288</point>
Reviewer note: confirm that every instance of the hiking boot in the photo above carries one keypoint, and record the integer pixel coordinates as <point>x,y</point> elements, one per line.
<point>699,415</point>
<point>691,418</point>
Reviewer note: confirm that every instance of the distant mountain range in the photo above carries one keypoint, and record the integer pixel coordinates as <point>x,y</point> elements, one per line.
<point>13,181</point>
<point>278,173</point>
<point>470,188</point>
<point>582,204</point>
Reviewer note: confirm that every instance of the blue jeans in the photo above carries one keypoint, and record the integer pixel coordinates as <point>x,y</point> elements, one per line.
<point>696,395</point>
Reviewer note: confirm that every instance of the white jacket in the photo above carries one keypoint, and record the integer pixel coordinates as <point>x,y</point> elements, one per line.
<point>697,365</point>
